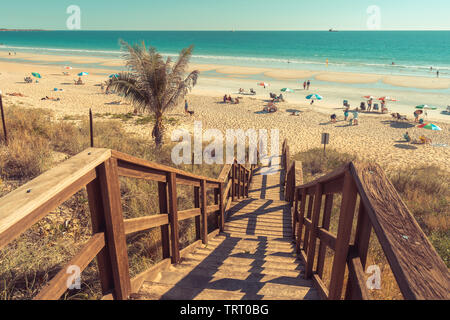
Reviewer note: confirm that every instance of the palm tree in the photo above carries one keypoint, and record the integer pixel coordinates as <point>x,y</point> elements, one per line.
<point>152,84</point>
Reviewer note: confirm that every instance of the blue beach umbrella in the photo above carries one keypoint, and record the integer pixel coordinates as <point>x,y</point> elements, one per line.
<point>83,74</point>
<point>314,97</point>
<point>36,75</point>
<point>115,75</point>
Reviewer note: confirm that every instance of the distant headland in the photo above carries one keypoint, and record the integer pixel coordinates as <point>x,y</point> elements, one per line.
<point>22,29</point>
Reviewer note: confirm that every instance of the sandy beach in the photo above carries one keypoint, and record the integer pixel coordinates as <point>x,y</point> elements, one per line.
<point>377,138</point>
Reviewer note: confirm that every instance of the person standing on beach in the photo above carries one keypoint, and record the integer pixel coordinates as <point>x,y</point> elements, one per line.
<point>308,84</point>
<point>437,73</point>
<point>304,85</point>
<point>186,106</point>
<point>346,112</point>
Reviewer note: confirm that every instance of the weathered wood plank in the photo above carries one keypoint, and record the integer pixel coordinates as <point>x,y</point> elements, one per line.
<point>145,223</point>
<point>26,205</point>
<point>327,238</point>
<point>301,219</point>
<point>356,286</point>
<point>313,232</point>
<point>203,205</point>
<point>338,173</point>
<point>114,227</point>
<point>349,194</point>
<point>163,200</point>
<point>418,269</point>
<point>144,163</point>
<point>325,226</point>
<point>59,284</point>
<point>99,225</point>
<point>173,216</point>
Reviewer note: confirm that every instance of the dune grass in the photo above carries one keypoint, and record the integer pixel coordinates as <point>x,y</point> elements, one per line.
<point>38,142</point>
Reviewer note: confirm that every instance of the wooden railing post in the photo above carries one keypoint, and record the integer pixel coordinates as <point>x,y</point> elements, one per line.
<point>105,195</point>
<point>163,208</point>
<point>313,232</point>
<point>301,220</point>
<point>326,225</point>
<point>233,181</point>
<point>361,245</point>
<point>198,224</point>
<point>204,212</point>
<point>222,198</point>
<point>295,213</point>
<point>349,194</point>
<point>173,216</point>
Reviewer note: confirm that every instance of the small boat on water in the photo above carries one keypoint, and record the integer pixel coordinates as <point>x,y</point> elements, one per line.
<point>331,30</point>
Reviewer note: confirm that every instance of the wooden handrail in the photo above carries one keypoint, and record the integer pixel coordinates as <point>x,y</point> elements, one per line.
<point>99,170</point>
<point>419,271</point>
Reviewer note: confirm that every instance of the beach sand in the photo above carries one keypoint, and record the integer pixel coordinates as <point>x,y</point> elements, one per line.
<point>376,139</point>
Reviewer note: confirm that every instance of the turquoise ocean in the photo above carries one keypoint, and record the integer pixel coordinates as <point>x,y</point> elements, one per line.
<point>385,52</point>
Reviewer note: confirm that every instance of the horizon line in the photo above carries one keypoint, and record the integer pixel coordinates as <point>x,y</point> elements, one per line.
<point>223,30</point>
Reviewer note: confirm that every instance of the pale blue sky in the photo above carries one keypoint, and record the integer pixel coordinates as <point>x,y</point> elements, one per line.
<point>227,14</point>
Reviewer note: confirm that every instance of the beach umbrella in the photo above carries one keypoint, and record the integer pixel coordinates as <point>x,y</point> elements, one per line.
<point>263,84</point>
<point>426,107</point>
<point>287,90</point>
<point>429,126</point>
<point>83,74</point>
<point>36,75</point>
<point>314,97</point>
<point>68,68</point>
<point>115,75</point>
<point>387,99</point>
<point>369,97</point>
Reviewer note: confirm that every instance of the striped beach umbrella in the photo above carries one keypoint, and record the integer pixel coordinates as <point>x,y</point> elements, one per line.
<point>387,99</point>
<point>287,90</point>
<point>314,97</point>
<point>369,97</point>
<point>263,84</point>
<point>426,107</point>
<point>68,68</point>
<point>36,75</point>
<point>429,126</point>
<point>83,74</point>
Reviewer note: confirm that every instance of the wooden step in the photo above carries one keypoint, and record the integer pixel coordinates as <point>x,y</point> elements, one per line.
<point>156,291</point>
<point>189,265</point>
<point>263,263</point>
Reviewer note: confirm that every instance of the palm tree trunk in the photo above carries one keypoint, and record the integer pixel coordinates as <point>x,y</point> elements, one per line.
<point>158,131</point>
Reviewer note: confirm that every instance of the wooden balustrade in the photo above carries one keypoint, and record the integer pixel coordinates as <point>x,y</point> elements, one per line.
<point>99,170</point>
<point>419,271</point>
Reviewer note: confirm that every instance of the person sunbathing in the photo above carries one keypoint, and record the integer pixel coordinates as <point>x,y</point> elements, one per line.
<point>51,98</point>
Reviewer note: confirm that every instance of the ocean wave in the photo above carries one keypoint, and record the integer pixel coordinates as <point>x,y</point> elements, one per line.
<point>248,59</point>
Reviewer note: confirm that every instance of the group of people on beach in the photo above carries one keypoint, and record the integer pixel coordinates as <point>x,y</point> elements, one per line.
<point>306,85</point>
<point>228,98</point>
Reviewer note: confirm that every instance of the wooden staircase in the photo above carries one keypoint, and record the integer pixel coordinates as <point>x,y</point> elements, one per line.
<point>270,240</point>
<point>253,259</point>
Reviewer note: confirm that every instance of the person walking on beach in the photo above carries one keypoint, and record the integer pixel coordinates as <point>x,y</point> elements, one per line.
<point>308,84</point>
<point>304,85</point>
<point>437,73</point>
<point>186,106</point>
<point>369,105</point>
